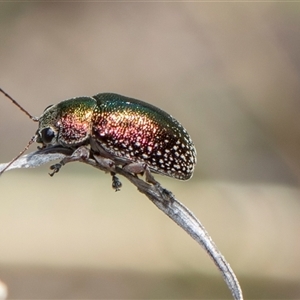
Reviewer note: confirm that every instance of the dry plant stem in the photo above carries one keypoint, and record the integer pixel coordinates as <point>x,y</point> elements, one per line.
<point>173,208</point>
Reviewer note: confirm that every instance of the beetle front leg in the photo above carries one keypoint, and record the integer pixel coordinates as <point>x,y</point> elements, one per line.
<point>81,153</point>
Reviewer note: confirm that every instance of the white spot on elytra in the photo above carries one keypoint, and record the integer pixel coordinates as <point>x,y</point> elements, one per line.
<point>183,157</point>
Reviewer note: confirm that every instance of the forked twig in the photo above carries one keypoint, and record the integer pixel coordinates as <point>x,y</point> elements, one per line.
<point>174,209</point>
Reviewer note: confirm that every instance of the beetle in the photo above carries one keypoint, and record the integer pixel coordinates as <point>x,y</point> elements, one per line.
<point>116,130</point>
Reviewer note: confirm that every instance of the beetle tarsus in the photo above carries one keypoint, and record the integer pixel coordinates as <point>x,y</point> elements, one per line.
<point>116,183</point>
<point>167,196</point>
<point>81,153</point>
<point>55,168</point>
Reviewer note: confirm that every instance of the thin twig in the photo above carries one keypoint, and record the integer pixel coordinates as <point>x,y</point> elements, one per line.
<point>156,193</point>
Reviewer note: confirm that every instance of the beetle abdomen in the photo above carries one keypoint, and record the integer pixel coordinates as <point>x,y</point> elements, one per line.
<point>139,132</point>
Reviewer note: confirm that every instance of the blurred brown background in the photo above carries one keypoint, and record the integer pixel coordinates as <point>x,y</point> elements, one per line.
<point>229,72</point>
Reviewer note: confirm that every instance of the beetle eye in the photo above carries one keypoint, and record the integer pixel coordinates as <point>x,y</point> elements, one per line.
<point>47,135</point>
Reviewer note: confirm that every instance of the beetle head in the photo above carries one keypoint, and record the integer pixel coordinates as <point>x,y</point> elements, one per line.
<point>48,130</point>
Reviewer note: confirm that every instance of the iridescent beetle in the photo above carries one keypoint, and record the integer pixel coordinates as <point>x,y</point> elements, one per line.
<point>116,130</point>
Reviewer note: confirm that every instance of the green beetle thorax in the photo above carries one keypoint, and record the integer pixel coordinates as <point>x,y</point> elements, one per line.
<point>67,123</point>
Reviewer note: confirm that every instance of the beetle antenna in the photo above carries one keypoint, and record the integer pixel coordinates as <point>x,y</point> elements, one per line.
<point>33,139</point>
<point>35,119</point>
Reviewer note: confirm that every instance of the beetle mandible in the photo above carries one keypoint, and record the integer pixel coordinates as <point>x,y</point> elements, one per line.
<point>116,130</point>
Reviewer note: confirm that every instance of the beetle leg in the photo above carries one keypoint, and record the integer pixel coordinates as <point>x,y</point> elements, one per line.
<point>135,168</point>
<point>140,168</point>
<point>109,165</point>
<point>166,194</point>
<point>150,177</point>
<point>81,153</point>
<point>106,163</point>
<point>116,183</point>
